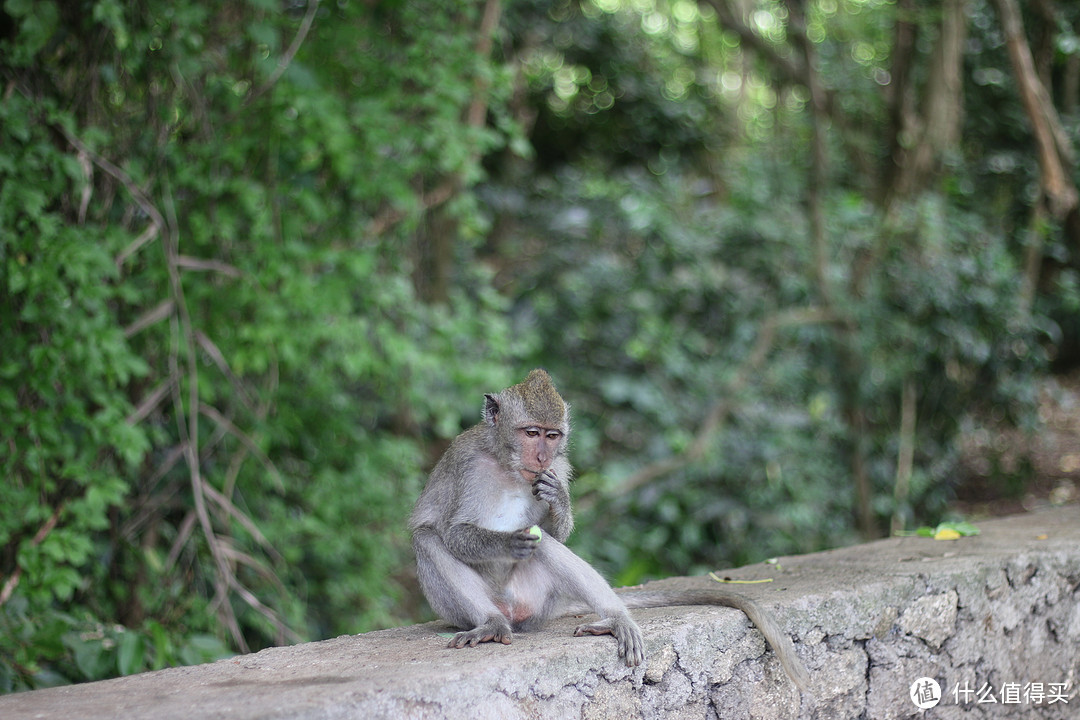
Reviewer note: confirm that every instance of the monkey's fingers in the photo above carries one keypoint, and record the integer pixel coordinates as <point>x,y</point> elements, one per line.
<point>597,628</point>
<point>485,633</point>
<point>523,544</point>
<point>548,477</point>
<point>627,635</point>
<point>544,489</point>
<point>631,646</point>
<point>540,480</point>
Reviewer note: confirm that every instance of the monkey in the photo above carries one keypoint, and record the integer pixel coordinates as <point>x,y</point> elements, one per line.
<point>483,569</point>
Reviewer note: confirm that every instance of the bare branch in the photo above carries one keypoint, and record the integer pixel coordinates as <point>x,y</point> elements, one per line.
<point>232,511</point>
<point>13,580</point>
<point>188,423</point>
<point>88,186</point>
<point>183,534</point>
<point>933,132</point>
<point>212,413</point>
<point>150,402</point>
<point>478,107</point>
<point>154,315</point>
<point>192,263</point>
<point>290,53</point>
<point>148,234</point>
<point>119,175</point>
<point>211,349</point>
<point>240,557</point>
<point>905,455</point>
<point>284,631</point>
<point>185,340</point>
<point>1033,254</point>
<point>731,19</point>
<point>389,216</point>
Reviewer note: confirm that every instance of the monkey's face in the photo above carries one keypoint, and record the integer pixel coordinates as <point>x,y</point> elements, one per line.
<point>539,448</point>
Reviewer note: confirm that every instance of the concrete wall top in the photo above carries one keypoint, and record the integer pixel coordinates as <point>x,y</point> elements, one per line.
<point>997,615</point>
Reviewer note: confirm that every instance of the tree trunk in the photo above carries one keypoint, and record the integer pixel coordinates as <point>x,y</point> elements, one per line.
<point>1052,145</point>
<point>923,141</point>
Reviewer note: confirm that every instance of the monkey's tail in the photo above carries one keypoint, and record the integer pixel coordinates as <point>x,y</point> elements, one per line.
<point>778,640</point>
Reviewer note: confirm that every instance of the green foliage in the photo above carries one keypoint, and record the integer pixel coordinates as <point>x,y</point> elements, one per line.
<point>665,278</point>
<point>67,449</point>
<point>671,296</point>
<point>56,649</point>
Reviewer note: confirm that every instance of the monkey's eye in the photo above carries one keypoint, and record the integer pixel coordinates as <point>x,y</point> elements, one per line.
<point>554,435</point>
<point>532,432</point>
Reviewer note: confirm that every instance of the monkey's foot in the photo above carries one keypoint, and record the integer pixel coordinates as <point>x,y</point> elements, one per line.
<point>494,630</point>
<point>627,635</point>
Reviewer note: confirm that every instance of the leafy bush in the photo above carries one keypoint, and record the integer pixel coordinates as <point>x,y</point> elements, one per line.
<point>219,378</point>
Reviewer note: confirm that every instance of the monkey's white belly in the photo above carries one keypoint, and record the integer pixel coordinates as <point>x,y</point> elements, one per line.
<point>510,512</point>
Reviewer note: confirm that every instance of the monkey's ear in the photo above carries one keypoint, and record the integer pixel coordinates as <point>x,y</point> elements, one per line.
<point>491,409</point>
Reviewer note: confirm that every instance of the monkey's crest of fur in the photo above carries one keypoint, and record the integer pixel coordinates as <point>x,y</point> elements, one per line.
<point>542,400</point>
<point>534,398</point>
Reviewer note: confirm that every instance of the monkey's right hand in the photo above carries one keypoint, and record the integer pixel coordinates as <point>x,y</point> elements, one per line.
<point>546,486</point>
<point>523,544</point>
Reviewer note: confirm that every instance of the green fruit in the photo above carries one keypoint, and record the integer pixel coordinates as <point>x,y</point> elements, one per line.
<point>535,532</point>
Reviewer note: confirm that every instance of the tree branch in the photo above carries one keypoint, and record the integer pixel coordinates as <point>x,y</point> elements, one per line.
<point>204,265</point>
<point>13,580</point>
<point>936,129</point>
<point>905,454</point>
<point>137,194</point>
<point>1054,151</point>
<point>154,315</point>
<point>478,107</point>
<point>290,53</point>
<point>212,413</point>
<point>731,19</point>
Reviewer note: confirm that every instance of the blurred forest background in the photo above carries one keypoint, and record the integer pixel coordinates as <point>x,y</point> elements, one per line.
<point>803,268</point>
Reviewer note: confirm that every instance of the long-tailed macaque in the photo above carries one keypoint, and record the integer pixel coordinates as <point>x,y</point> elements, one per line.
<point>483,568</point>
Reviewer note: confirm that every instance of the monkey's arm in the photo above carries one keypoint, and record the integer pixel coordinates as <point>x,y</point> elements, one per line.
<point>473,544</point>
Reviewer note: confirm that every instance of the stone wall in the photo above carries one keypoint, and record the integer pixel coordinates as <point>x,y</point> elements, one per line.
<point>990,617</point>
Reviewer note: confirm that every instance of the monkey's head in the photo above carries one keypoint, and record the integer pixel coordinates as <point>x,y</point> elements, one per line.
<point>530,423</point>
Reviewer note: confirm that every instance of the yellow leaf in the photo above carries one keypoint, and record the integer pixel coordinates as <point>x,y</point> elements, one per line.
<point>946,534</point>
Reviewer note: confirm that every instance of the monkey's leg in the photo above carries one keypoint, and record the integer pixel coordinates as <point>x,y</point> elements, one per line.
<point>578,580</point>
<point>457,593</point>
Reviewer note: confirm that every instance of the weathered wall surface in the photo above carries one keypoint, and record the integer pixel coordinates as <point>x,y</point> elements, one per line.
<point>996,616</point>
